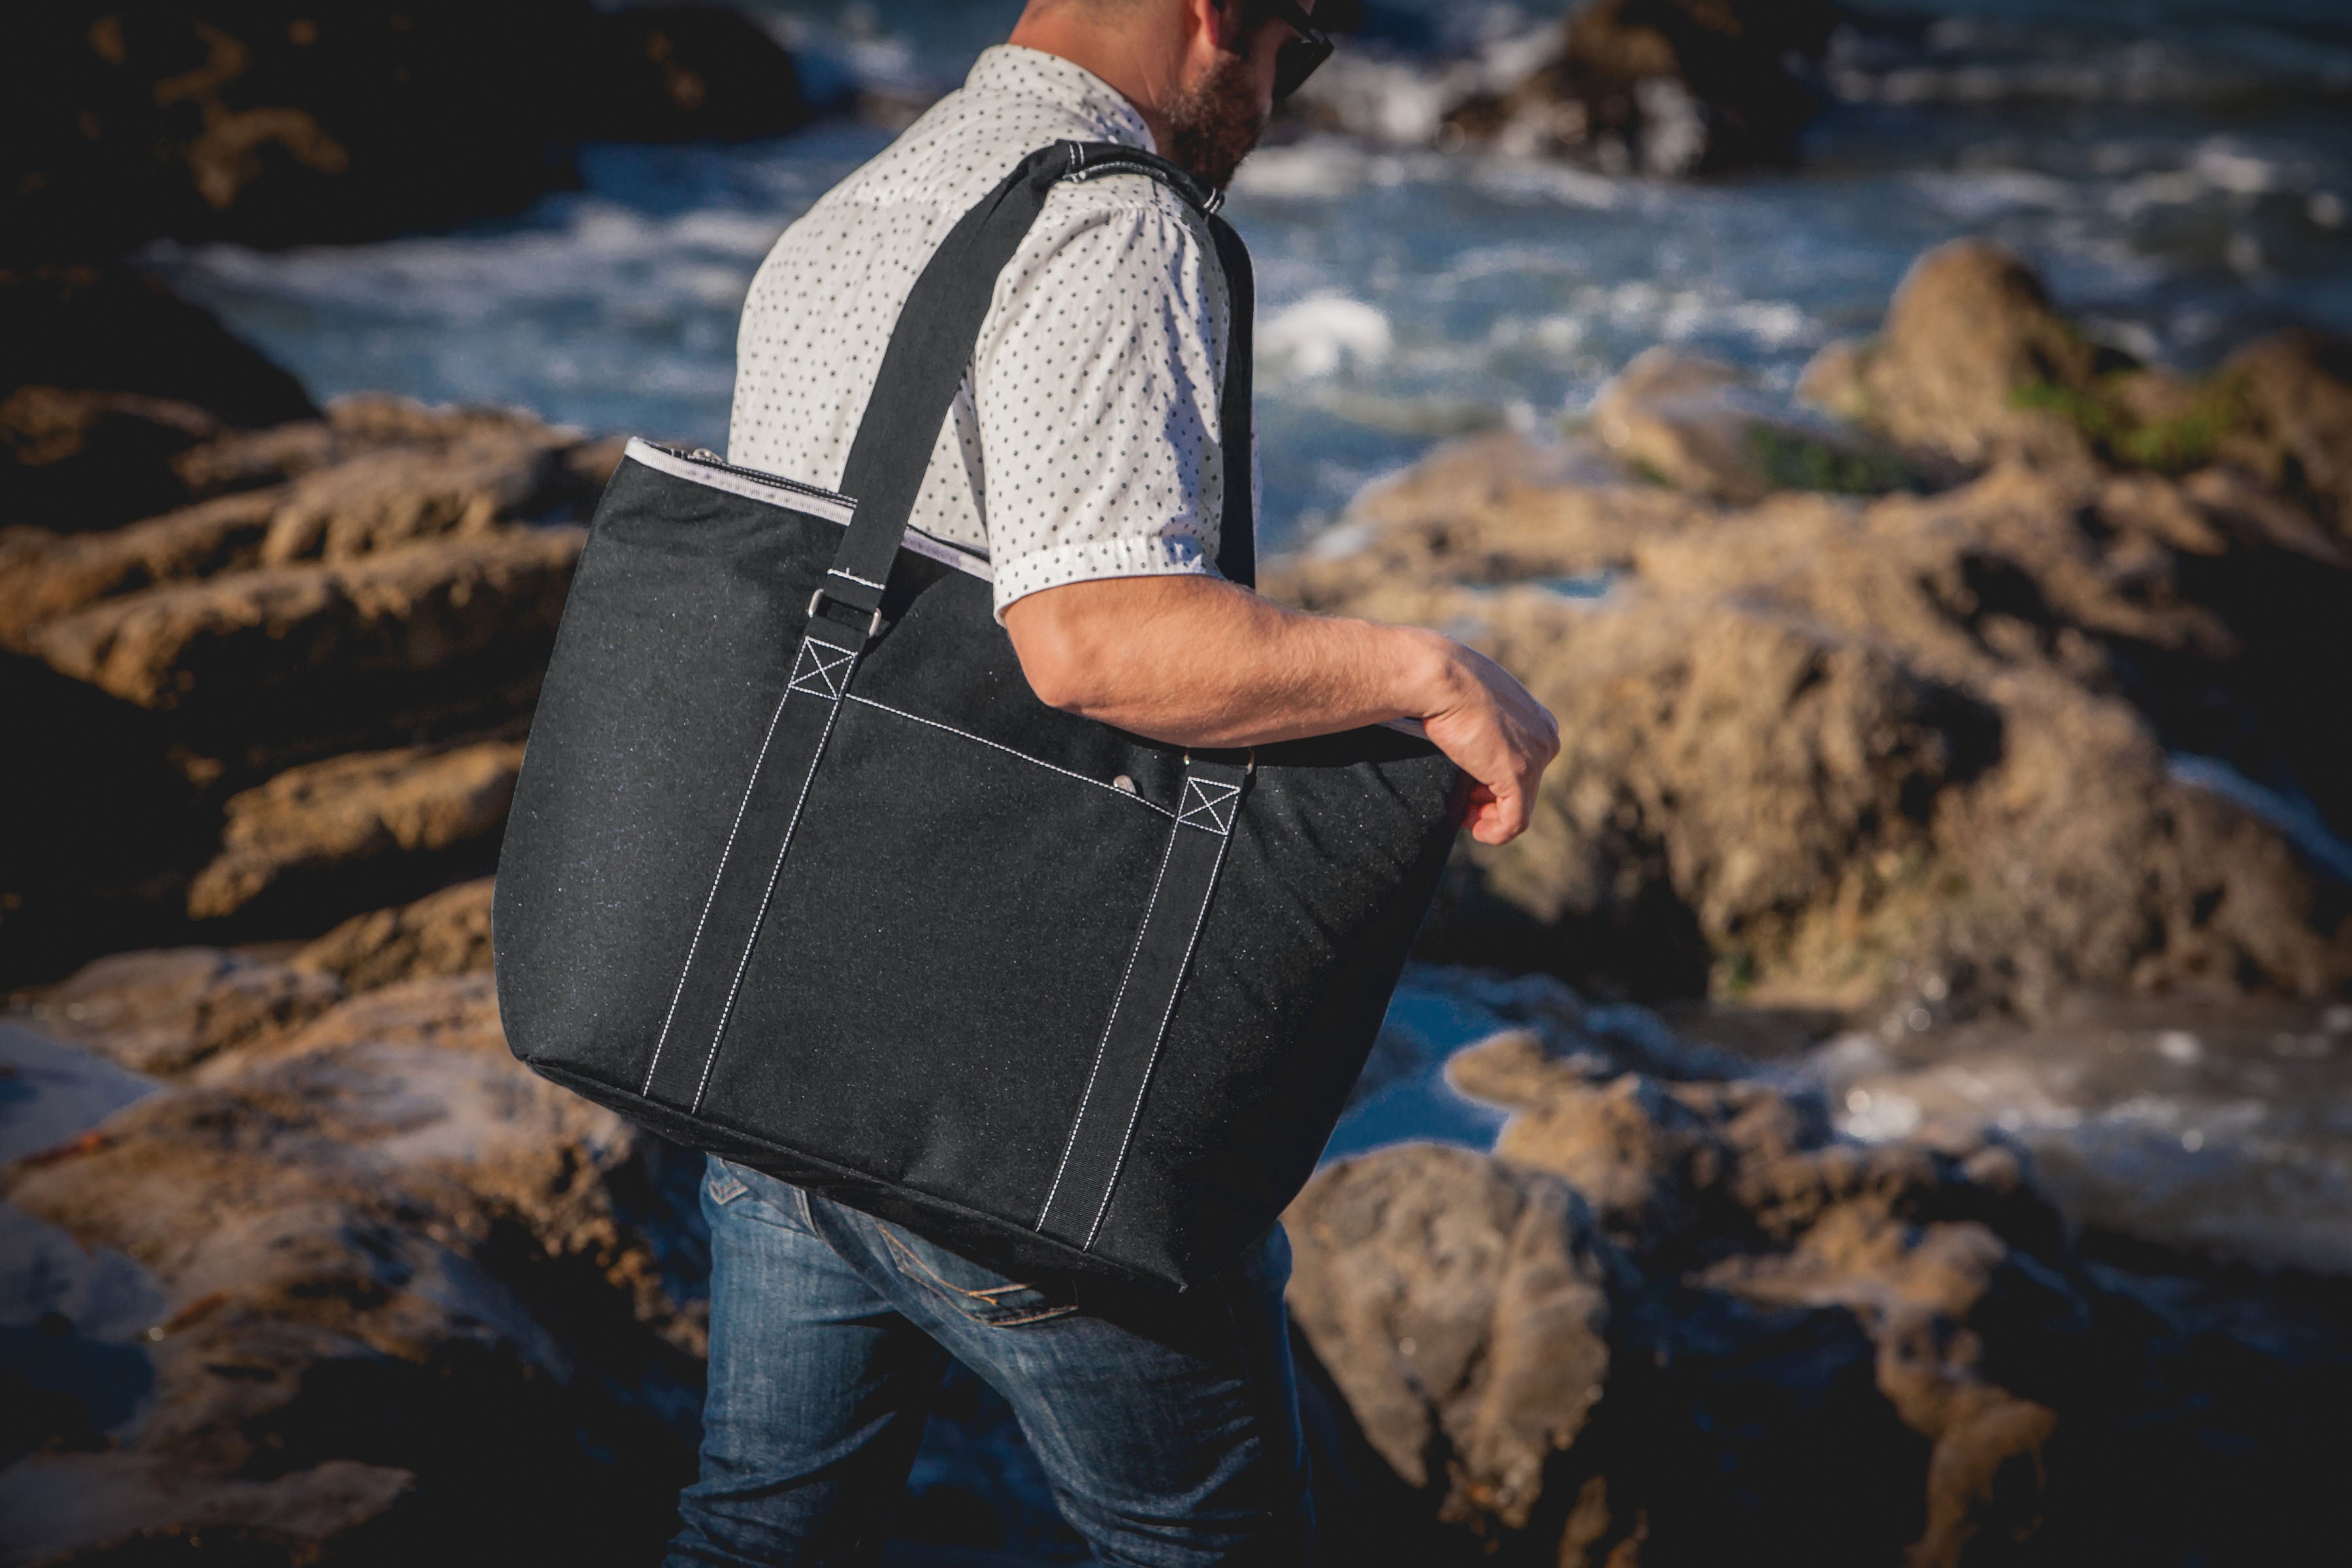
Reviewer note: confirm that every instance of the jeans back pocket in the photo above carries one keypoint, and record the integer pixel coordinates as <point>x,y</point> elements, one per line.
<point>975,1292</point>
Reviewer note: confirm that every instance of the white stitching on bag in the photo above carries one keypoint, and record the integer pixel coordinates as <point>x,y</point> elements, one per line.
<point>712,897</point>
<point>1127,1139</point>
<point>1108,1023</point>
<point>815,672</point>
<point>1217,807</point>
<point>735,989</point>
<point>1009,752</point>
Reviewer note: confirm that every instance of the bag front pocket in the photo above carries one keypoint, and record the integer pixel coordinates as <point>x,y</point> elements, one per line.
<point>939,958</point>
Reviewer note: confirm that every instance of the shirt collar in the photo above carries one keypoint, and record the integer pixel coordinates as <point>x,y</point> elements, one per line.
<point>1065,84</point>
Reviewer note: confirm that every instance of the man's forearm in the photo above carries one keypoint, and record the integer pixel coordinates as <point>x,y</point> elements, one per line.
<point>1196,661</point>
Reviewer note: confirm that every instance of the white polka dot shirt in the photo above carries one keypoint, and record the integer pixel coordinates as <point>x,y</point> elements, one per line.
<point>1086,440</point>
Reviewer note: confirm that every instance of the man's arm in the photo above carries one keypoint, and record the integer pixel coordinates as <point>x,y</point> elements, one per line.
<point>1196,661</point>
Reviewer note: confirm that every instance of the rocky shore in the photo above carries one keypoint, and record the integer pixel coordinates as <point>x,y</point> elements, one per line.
<point>2035,717</point>
<point>1982,685</point>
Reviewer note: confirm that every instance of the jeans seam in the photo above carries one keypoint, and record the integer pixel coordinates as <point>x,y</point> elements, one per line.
<point>1259,1390</point>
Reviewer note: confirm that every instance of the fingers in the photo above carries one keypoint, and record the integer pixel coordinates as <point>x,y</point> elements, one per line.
<point>1504,739</point>
<point>1498,815</point>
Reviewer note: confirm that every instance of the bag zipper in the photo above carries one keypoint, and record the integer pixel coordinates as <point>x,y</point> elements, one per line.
<point>710,459</point>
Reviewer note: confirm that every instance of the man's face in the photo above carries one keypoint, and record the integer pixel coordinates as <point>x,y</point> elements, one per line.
<point>1223,111</point>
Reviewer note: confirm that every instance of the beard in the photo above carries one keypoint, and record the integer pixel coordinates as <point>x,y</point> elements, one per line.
<point>1215,126</point>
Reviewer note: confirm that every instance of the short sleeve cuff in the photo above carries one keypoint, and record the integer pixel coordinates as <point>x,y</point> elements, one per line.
<point>1134,555</point>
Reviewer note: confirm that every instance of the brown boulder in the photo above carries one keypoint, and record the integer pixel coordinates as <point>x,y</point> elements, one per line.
<point>2294,393</point>
<point>68,455</point>
<point>1702,427</point>
<point>164,1012</point>
<point>448,932</point>
<point>1970,331</point>
<point>1754,1331</point>
<point>1668,87</point>
<point>347,816</point>
<point>1459,1305</point>
<point>279,123</point>
<point>413,1292</point>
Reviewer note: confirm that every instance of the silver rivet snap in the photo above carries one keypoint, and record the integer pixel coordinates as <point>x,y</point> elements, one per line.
<point>1123,782</point>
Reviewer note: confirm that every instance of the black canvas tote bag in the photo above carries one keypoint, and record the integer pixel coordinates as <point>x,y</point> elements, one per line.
<point>800,871</point>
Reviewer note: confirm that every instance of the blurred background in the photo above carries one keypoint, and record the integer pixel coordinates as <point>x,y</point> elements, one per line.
<point>1897,1105</point>
<point>2177,173</point>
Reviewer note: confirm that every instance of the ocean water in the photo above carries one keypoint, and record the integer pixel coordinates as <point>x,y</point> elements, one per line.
<point>2180,172</point>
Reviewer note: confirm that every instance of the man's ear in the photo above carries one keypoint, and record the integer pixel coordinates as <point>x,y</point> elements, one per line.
<point>1222,21</point>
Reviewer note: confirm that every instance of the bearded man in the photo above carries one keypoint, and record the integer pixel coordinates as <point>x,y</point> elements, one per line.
<point>1084,457</point>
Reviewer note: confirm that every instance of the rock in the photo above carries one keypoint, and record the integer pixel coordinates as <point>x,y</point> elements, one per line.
<point>452,487</point>
<point>1819,745</point>
<point>1970,331</point>
<point>1667,1319</point>
<point>448,932</point>
<point>386,575</point>
<point>1700,427</point>
<point>277,123</point>
<point>1668,87</point>
<point>90,325</point>
<point>1976,366</point>
<point>415,1297</point>
<point>98,817</point>
<point>106,381</point>
<point>343,819</point>
<point>683,73</point>
<point>48,575</point>
<point>1458,1303</point>
<point>164,1012</point>
<point>297,628</point>
<point>2294,393</point>
<point>66,449</point>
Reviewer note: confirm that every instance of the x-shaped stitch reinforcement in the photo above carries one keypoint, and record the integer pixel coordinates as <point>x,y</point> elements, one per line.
<point>1209,805</point>
<point>823,671</point>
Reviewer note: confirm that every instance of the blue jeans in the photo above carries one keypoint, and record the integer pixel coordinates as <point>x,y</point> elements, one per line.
<point>1167,1425</point>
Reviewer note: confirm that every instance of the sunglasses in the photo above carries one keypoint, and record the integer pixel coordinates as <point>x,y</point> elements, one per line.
<point>1296,59</point>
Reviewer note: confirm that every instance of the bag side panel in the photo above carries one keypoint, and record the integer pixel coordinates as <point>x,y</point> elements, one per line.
<point>675,648</point>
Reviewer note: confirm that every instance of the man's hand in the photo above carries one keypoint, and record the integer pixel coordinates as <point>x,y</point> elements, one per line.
<point>1196,661</point>
<point>1500,735</point>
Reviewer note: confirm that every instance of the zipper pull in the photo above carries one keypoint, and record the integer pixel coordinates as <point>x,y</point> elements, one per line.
<point>707,455</point>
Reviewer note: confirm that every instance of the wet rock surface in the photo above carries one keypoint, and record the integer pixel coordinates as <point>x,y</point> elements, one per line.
<point>412,1296</point>
<point>1667,1319</point>
<point>1976,747</point>
<point>162,1012</point>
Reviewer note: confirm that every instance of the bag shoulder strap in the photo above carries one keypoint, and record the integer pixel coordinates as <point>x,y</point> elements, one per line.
<point>938,327</point>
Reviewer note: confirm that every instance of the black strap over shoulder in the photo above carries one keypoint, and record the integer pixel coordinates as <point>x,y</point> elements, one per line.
<point>933,346</point>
